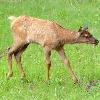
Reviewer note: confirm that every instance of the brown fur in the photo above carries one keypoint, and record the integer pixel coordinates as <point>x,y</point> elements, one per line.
<point>48,34</point>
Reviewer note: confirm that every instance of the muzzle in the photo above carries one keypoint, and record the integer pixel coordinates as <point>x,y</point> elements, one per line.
<point>96,42</point>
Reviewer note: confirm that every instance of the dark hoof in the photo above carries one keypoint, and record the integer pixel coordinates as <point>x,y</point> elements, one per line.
<point>76,81</point>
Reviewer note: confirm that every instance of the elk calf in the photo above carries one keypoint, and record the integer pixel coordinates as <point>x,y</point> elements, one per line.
<point>50,35</point>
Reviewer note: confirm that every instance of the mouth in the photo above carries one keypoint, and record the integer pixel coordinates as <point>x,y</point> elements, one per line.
<point>95,43</point>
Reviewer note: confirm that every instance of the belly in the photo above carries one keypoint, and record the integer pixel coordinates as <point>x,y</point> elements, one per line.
<point>42,39</point>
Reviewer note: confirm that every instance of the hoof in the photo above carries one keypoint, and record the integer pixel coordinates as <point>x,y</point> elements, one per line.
<point>76,81</point>
<point>9,75</point>
<point>23,77</point>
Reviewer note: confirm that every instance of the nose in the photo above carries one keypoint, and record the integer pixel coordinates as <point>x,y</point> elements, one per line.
<point>96,42</point>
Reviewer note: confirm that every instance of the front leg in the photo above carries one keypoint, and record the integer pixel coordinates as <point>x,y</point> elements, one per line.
<point>67,63</point>
<point>47,53</point>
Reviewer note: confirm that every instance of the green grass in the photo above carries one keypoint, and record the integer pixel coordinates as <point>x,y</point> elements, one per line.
<point>85,59</point>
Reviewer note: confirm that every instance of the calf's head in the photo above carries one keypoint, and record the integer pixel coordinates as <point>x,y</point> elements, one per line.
<point>86,37</point>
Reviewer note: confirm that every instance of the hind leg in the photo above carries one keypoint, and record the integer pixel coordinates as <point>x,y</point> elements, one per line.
<point>18,60</point>
<point>11,51</point>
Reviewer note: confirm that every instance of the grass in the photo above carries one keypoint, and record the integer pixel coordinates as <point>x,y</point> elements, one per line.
<point>84,58</point>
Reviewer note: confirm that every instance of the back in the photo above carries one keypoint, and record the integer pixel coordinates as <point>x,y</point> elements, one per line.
<point>34,30</point>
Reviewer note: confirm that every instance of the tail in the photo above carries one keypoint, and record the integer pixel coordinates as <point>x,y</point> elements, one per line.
<point>12,18</point>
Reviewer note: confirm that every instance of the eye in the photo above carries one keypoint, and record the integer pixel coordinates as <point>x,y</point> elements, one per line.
<point>86,35</point>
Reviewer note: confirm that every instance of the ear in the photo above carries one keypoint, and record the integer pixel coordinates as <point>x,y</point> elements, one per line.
<point>80,29</point>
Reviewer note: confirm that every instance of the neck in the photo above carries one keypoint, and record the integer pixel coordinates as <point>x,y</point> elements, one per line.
<point>69,36</point>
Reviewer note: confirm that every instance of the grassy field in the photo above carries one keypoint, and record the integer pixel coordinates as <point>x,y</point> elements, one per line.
<point>84,58</point>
